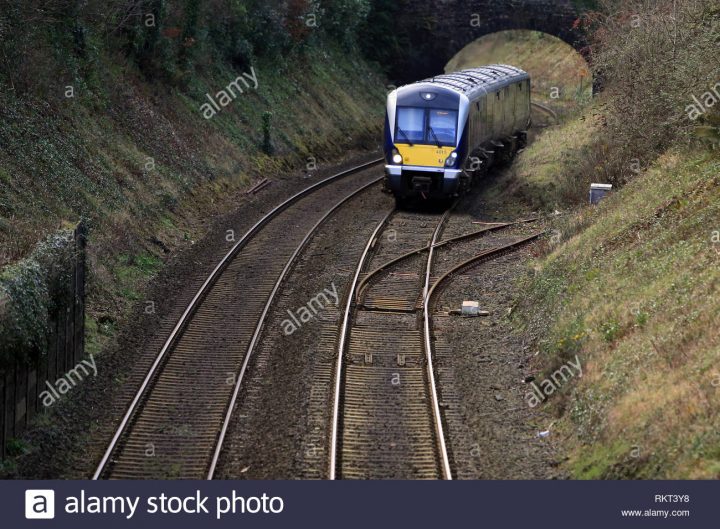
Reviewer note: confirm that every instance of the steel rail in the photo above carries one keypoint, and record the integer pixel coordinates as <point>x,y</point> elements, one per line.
<point>263,316</point>
<point>335,424</point>
<point>484,254</point>
<point>352,293</point>
<point>209,282</point>
<point>439,430</point>
<point>428,339</point>
<point>545,109</point>
<point>496,226</point>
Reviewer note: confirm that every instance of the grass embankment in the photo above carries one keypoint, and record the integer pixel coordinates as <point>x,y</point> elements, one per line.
<point>633,288</point>
<point>555,170</point>
<point>138,159</point>
<point>636,296</point>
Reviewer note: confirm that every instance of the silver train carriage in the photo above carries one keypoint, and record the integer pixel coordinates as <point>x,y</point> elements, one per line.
<point>442,133</point>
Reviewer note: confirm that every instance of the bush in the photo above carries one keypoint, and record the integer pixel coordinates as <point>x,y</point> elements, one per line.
<point>267,146</point>
<point>32,291</point>
<point>24,317</point>
<point>654,56</point>
<point>381,42</point>
<point>42,41</point>
<point>343,19</point>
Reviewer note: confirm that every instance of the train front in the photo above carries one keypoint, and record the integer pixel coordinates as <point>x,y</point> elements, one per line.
<point>423,132</point>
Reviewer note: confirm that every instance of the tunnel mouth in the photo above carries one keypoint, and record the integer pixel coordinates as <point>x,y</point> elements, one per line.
<point>561,77</point>
<point>418,40</point>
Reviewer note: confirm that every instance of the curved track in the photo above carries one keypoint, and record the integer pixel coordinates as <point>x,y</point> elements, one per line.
<point>469,359</point>
<point>175,424</point>
<point>385,422</point>
<point>387,419</point>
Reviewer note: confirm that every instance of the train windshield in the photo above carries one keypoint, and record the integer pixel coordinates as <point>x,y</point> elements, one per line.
<point>430,126</point>
<point>411,124</point>
<point>441,126</point>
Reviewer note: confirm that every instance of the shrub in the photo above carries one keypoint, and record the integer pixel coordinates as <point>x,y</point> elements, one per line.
<point>31,292</point>
<point>267,146</point>
<point>42,41</point>
<point>343,19</point>
<point>381,42</point>
<point>654,56</point>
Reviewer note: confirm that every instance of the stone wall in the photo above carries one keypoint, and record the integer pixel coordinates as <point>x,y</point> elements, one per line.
<point>435,30</point>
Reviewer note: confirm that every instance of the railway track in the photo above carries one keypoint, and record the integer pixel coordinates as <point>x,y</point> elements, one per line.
<point>382,424</point>
<point>176,423</point>
<point>387,420</point>
<point>387,417</point>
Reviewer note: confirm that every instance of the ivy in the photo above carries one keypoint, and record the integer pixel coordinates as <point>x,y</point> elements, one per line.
<point>32,293</point>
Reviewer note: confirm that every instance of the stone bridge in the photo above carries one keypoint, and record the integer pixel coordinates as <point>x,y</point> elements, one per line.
<point>431,32</point>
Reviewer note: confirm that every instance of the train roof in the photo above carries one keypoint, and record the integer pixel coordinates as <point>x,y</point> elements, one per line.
<point>473,80</point>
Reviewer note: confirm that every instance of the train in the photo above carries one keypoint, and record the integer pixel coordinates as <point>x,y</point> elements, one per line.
<point>444,133</point>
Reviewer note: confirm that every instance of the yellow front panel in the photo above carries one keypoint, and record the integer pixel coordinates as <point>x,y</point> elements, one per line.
<point>424,155</point>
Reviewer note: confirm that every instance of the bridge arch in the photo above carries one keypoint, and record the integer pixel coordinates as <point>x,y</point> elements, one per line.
<point>434,31</point>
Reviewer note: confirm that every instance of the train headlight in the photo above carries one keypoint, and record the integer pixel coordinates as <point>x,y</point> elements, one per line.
<point>451,159</point>
<point>397,158</point>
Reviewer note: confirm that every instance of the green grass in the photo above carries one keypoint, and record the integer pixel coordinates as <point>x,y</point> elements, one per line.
<point>601,458</point>
<point>638,276</point>
<point>143,168</point>
<point>555,171</point>
<point>133,272</point>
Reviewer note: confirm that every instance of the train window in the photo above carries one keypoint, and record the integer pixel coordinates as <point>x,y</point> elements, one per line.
<point>426,126</point>
<point>442,125</point>
<point>410,124</point>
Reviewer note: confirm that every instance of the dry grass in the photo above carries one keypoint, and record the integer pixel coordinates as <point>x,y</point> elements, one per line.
<point>550,62</point>
<point>555,171</point>
<point>643,282</point>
